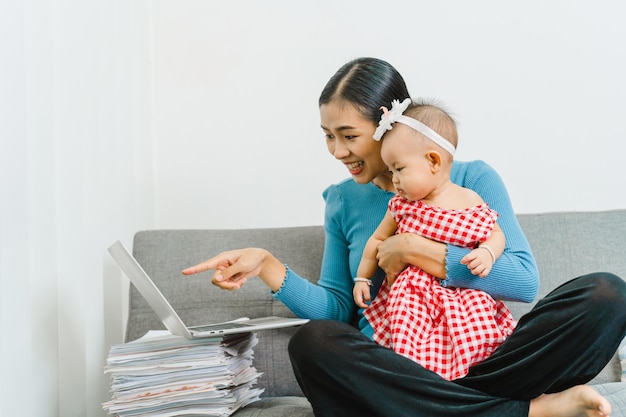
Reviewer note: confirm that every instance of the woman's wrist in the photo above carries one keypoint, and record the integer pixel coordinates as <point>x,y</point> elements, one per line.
<point>272,271</point>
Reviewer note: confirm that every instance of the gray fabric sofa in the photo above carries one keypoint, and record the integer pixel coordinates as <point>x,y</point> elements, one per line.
<point>565,245</point>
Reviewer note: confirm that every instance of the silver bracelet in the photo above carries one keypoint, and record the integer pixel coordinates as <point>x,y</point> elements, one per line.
<point>365,280</point>
<point>488,248</point>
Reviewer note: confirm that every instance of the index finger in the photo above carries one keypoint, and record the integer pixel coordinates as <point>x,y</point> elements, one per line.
<point>202,267</point>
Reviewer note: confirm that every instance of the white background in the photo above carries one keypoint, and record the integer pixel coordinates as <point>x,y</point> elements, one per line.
<point>537,88</point>
<point>119,116</point>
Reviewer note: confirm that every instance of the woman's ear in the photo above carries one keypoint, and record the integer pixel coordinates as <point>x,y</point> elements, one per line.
<point>434,159</point>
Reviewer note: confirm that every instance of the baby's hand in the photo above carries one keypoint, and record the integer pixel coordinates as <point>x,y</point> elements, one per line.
<point>361,293</point>
<point>479,262</point>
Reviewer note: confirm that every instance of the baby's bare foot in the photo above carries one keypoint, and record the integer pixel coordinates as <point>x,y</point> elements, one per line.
<point>581,400</point>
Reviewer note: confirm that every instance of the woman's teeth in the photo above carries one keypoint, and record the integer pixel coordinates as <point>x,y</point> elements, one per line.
<point>354,165</point>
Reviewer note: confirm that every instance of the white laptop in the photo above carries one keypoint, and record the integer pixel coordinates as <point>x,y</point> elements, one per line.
<point>172,321</point>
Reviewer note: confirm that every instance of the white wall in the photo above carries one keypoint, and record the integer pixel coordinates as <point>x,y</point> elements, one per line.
<point>76,174</point>
<point>537,88</point>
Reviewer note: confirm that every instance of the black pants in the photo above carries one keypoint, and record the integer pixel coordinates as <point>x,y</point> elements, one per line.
<point>567,338</point>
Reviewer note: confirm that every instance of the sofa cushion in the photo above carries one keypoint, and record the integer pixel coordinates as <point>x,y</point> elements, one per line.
<point>277,407</point>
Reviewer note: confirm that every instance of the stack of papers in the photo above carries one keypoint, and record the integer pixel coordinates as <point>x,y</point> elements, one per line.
<point>161,375</point>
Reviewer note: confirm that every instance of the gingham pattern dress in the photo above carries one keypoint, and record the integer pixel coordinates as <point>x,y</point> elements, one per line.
<point>446,330</point>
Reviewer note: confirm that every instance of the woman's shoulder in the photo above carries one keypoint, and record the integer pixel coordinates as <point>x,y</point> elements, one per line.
<point>346,184</point>
<point>466,173</point>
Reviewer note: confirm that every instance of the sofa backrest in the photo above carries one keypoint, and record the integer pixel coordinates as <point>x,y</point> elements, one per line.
<point>565,245</point>
<point>570,244</point>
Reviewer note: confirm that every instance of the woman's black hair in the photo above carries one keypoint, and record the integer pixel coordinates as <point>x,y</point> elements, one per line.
<point>367,83</point>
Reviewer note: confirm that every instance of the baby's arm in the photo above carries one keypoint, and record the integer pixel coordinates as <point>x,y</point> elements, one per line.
<point>369,260</point>
<point>480,260</point>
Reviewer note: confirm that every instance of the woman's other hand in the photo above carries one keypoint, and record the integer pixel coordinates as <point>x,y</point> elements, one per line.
<point>398,251</point>
<point>392,257</point>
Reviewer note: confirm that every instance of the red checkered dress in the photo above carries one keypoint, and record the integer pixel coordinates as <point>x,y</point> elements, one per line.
<point>446,330</point>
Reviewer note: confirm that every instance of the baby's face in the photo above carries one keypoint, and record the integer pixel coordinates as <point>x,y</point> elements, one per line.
<point>406,157</point>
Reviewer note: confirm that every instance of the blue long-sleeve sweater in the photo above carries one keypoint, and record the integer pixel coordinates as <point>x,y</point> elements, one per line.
<point>353,211</point>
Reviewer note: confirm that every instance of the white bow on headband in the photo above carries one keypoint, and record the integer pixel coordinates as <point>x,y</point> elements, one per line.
<point>389,117</point>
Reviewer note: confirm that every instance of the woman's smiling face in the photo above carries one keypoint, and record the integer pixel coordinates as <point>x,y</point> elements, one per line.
<point>349,139</point>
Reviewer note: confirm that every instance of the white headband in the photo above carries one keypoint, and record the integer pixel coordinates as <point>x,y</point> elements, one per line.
<point>389,117</point>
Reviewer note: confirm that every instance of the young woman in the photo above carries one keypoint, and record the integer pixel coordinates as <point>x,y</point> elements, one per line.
<point>563,342</point>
